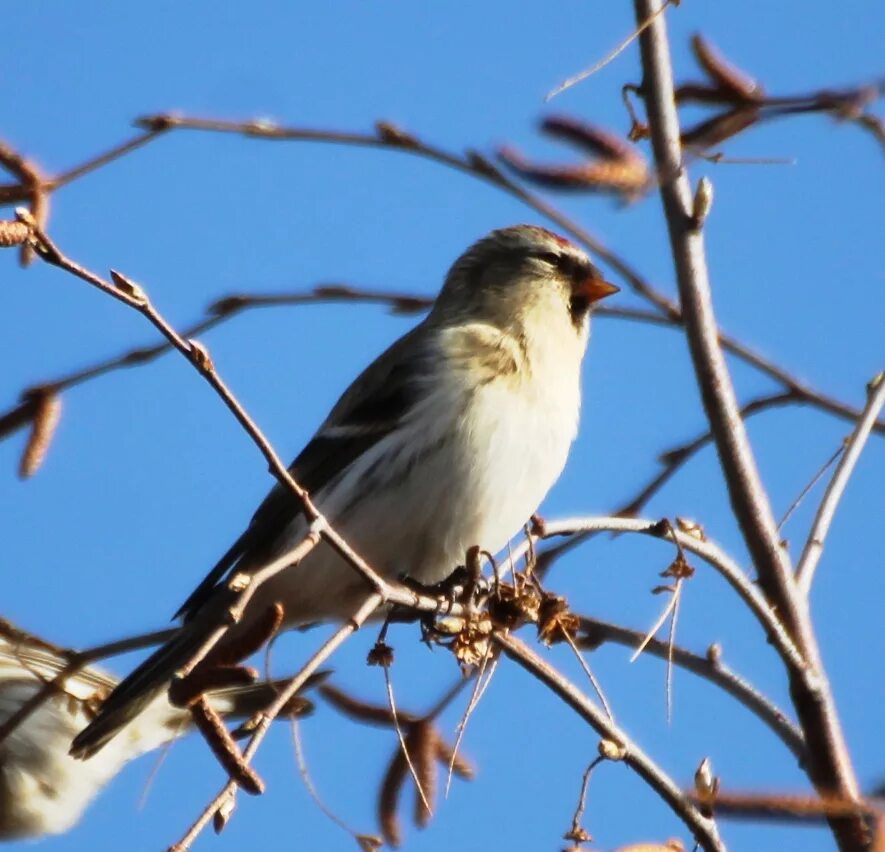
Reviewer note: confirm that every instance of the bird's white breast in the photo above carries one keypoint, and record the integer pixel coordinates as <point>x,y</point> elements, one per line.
<point>468,467</point>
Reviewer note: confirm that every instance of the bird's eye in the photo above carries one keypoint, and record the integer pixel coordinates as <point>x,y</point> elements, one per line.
<point>563,263</point>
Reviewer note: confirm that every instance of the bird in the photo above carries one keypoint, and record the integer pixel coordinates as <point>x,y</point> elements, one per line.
<point>450,439</point>
<point>43,790</point>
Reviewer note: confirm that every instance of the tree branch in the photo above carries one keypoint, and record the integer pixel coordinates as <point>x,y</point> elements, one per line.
<point>815,544</point>
<point>227,793</point>
<point>703,828</point>
<point>709,552</point>
<point>829,764</point>
<point>596,632</point>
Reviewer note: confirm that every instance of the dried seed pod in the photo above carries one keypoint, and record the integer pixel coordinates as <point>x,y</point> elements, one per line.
<point>461,767</point>
<point>249,641</point>
<point>183,692</point>
<point>728,77</point>
<point>554,619</point>
<point>720,127</point>
<point>627,177</point>
<point>362,711</point>
<point>590,137</point>
<point>46,415</point>
<point>13,233</point>
<point>700,93</point>
<point>388,797</point>
<point>381,654</point>
<point>219,740</point>
<point>421,743</point>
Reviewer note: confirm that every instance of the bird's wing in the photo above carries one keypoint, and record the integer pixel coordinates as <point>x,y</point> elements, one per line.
<point>371,408</point>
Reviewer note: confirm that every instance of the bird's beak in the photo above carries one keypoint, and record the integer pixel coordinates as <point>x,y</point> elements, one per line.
<point>593,289</point>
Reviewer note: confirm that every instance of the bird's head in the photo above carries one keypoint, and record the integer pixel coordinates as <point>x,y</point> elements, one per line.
<point>519,274</point>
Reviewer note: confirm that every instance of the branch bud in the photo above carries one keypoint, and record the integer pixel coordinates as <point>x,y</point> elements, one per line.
<point>703,201</point>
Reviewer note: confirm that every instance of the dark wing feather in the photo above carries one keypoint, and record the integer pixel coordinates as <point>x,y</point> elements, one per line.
<point>369,409</point>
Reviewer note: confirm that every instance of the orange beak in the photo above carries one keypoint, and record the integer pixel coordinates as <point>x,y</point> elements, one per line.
<point>594,289</point>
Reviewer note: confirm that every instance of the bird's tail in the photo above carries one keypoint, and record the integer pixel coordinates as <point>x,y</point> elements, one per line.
<point>135,692</point>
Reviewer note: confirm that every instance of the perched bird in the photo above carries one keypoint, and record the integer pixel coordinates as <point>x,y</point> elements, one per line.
<point>451,438</point>
<point>43,790</point>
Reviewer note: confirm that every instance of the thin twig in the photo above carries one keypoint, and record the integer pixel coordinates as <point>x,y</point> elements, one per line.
<point>369,606</point>
<point>133,296</point>
<point>829,765</point>
<point>479,689</point>
<point>809,486</point>
<point>780,806</point>
<point>597,687</point>
<point>225,308</point>
<point>709,552</point>
<point>304,774</point>
<point>476,165</point>
<point>577,832</point>
<point>480,168</point>
<point>612,54</point>
<point>703,828</point>
<point>710,667</point>
<point>827,509</point>
<point>402,740</point>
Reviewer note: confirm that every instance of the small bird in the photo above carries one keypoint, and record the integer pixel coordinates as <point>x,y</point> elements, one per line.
<point>449,439</point>
<point>43,790</point>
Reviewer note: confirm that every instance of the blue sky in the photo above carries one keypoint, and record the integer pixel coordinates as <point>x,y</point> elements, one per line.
<point>149,479</point>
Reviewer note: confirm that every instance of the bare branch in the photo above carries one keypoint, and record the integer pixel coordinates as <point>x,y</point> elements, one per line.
<point>710,667</point>
<point>709,552</point>
<point>703,828</point>
<point>829,762</point>
<point>473,164</point>
<point>827,509</point>
<point>371,603</point>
